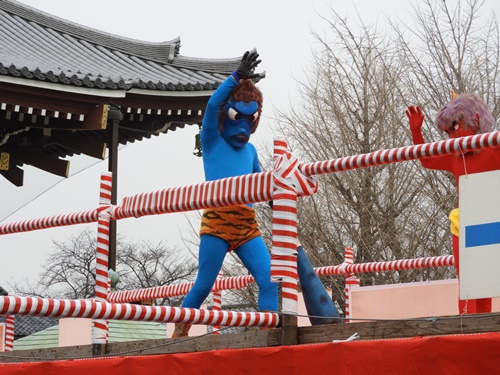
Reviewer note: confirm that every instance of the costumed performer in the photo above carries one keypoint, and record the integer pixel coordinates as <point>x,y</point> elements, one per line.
<point>232,115</point>
<point>464,115</point>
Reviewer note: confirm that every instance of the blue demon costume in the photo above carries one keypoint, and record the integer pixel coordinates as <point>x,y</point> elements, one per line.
<point>231,116</point>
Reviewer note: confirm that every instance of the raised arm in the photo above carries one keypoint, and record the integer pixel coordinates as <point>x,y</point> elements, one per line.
<point>210,122</point>
<point>416,119</point>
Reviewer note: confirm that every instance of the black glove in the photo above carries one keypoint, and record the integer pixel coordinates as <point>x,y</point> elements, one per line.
<point>247,65</point>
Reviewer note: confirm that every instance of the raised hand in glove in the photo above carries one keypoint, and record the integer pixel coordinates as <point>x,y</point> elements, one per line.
<point>247,66</point>
<point>415,117</point>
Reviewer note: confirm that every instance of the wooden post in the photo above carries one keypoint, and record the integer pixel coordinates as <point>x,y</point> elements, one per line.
<point>289,329</point>
<point>99,349</point>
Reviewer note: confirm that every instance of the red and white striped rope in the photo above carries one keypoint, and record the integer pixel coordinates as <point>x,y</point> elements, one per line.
<point>9,333</point>
<point>251,188</point>
<point>396,155</point>
<point>175,290</point>
<point>163,291</point>
<point>92,309</point>
<point>238,282</point>
<point>83,217</point>
<point>393,265</point>
<point>100,332</point>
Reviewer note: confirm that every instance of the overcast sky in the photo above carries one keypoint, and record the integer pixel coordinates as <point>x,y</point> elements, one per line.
<point>280,30</point>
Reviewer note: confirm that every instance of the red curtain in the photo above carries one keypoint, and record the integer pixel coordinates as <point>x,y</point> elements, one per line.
<point>456,354</point>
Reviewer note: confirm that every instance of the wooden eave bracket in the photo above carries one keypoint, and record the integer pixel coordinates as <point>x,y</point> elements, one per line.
<point>48,163</point>
<point>14,175</point>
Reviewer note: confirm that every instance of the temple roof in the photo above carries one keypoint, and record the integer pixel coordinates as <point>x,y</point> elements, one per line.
<point>63,86</point>
<point>38,46</point>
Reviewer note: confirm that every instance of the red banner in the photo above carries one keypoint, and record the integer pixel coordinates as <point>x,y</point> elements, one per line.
<point>457,354</point>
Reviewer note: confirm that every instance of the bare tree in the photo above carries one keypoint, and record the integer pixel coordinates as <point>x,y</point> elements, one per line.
<point>448,49</point>
<point>69,271</point>
<point>145,265</point>
<point>354,103</point>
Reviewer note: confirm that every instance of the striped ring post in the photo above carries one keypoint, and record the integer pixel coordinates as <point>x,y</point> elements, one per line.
<point>350,281</point>
<point>100,332</point>
<point>9,333</point>
<point>284,231</point>
<point>289,182</point>
<point>217,305</point>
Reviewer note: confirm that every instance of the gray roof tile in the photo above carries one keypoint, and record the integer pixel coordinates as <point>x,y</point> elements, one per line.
<point>37,45</point>
<point>25,325</point>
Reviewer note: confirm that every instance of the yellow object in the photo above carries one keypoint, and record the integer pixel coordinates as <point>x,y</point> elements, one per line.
<point>454,222</point>
<point>104,116</point>
<point>453,94</point>
<point>4,161</point>
<point>234,224</point>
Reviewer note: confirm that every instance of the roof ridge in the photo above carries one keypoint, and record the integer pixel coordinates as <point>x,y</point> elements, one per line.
<point>163,52</point>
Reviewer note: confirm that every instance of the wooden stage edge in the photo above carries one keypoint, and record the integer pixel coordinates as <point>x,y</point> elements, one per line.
<point>287,334</point>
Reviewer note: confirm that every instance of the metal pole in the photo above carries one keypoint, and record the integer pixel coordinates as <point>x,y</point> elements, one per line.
<point>114,117</point>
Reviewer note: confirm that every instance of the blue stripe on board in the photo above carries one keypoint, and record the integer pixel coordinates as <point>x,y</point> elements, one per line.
<point>482,234</point>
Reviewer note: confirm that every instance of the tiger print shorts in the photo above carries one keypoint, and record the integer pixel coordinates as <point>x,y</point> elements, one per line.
<point>234,224</point>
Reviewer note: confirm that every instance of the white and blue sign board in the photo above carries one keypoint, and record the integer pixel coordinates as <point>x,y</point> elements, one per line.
<point>479,235</point>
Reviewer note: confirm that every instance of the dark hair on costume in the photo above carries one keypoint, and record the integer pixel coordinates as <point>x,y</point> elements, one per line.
<point>464,108</point>
<point>246,91</point>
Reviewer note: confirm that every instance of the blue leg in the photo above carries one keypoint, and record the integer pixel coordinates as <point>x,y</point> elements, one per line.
<point>210,258</point>
<point>316,298</point>
<point>256,258</point>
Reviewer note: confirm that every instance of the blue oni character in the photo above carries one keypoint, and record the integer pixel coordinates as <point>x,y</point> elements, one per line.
<point>232,115</point>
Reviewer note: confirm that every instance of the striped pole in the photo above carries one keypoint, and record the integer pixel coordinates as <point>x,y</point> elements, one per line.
<point>9,333</point>
<point>100,332</point>
<point>217,305</point>
<point>350,281</point>
<point>289,182</point>
<point>284,230</point>
<point>250,188</point>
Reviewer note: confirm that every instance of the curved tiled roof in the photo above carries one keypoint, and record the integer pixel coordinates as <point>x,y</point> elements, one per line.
<point>64,87</point>
<point>39,46</point>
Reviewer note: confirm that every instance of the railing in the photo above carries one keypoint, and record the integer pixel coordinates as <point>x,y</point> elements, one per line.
<point>282,185</point>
